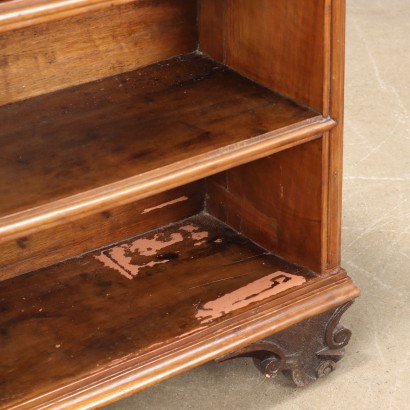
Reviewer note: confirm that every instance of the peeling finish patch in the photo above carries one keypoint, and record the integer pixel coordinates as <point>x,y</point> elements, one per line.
<point>120,257</point>
<point>196,236</point>
<point>116,259</point>
<point>261,289</point>
<point>189,228</point>
<point>149,247</point>
<point>111,263</point>
<point>174,201</point>
<point>130,258</point>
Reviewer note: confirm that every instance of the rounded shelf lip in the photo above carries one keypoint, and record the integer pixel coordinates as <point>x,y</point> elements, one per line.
<point>22,13</point>
<point>286,124</point>
<point>159,180</point>
<point>238,296</point>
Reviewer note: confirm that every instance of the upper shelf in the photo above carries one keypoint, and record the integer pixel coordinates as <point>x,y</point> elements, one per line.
<point>87,148</point>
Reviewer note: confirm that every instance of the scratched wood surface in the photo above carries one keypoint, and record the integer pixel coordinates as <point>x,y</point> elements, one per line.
<point>86,137</point>
<point>68,321</point>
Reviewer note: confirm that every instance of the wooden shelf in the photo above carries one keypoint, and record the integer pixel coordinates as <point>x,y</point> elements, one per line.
<point>131,132</point>
<point>95,328</point>
<point>84,149</point>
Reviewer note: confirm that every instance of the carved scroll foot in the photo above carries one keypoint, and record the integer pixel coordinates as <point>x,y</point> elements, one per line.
<point>304,352</point>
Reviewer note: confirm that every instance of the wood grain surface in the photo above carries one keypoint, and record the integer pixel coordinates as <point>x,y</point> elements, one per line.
<point>97,178</point>
<point>49,246</point>
<point>46,57</point>
<point>280,44</point>
<point>22,13</point>
<point>133,135</point>
<point>64,326</point>
<point>286,215</point>
<point>333,233</point>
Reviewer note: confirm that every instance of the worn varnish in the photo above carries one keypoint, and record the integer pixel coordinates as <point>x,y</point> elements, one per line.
<point>161,126</point>
<point>96,328</point>
<point>48,246</point>
<point>93,309</point>
<point>65,322</point>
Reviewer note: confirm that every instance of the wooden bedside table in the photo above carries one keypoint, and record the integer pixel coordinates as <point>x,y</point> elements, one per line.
<point>170,183</point>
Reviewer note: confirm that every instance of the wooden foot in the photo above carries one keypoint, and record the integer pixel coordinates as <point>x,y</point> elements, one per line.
<point>304,352</point>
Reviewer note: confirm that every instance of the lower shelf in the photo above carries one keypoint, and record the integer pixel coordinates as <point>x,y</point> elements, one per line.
<point>93,329</point>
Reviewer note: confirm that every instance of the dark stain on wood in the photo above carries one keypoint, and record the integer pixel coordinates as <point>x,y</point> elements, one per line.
<point>168,256</point>
<point>106,214</point>
<point>22,242</point>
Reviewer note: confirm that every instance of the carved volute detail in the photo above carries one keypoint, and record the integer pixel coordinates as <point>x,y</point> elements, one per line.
<point>305,352</point>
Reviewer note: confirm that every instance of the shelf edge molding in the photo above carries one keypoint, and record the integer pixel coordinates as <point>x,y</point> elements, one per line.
<point>159,180</point>
<point>134,374</point>
<point>16,15</point>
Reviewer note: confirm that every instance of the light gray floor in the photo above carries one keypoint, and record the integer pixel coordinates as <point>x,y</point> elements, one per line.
<point>375,373</point>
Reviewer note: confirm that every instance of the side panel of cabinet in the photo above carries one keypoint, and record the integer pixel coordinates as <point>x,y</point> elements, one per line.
<point>279,44</point>
<point>295,47</point>
<point>277,202</point>
<point>335,147</point>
